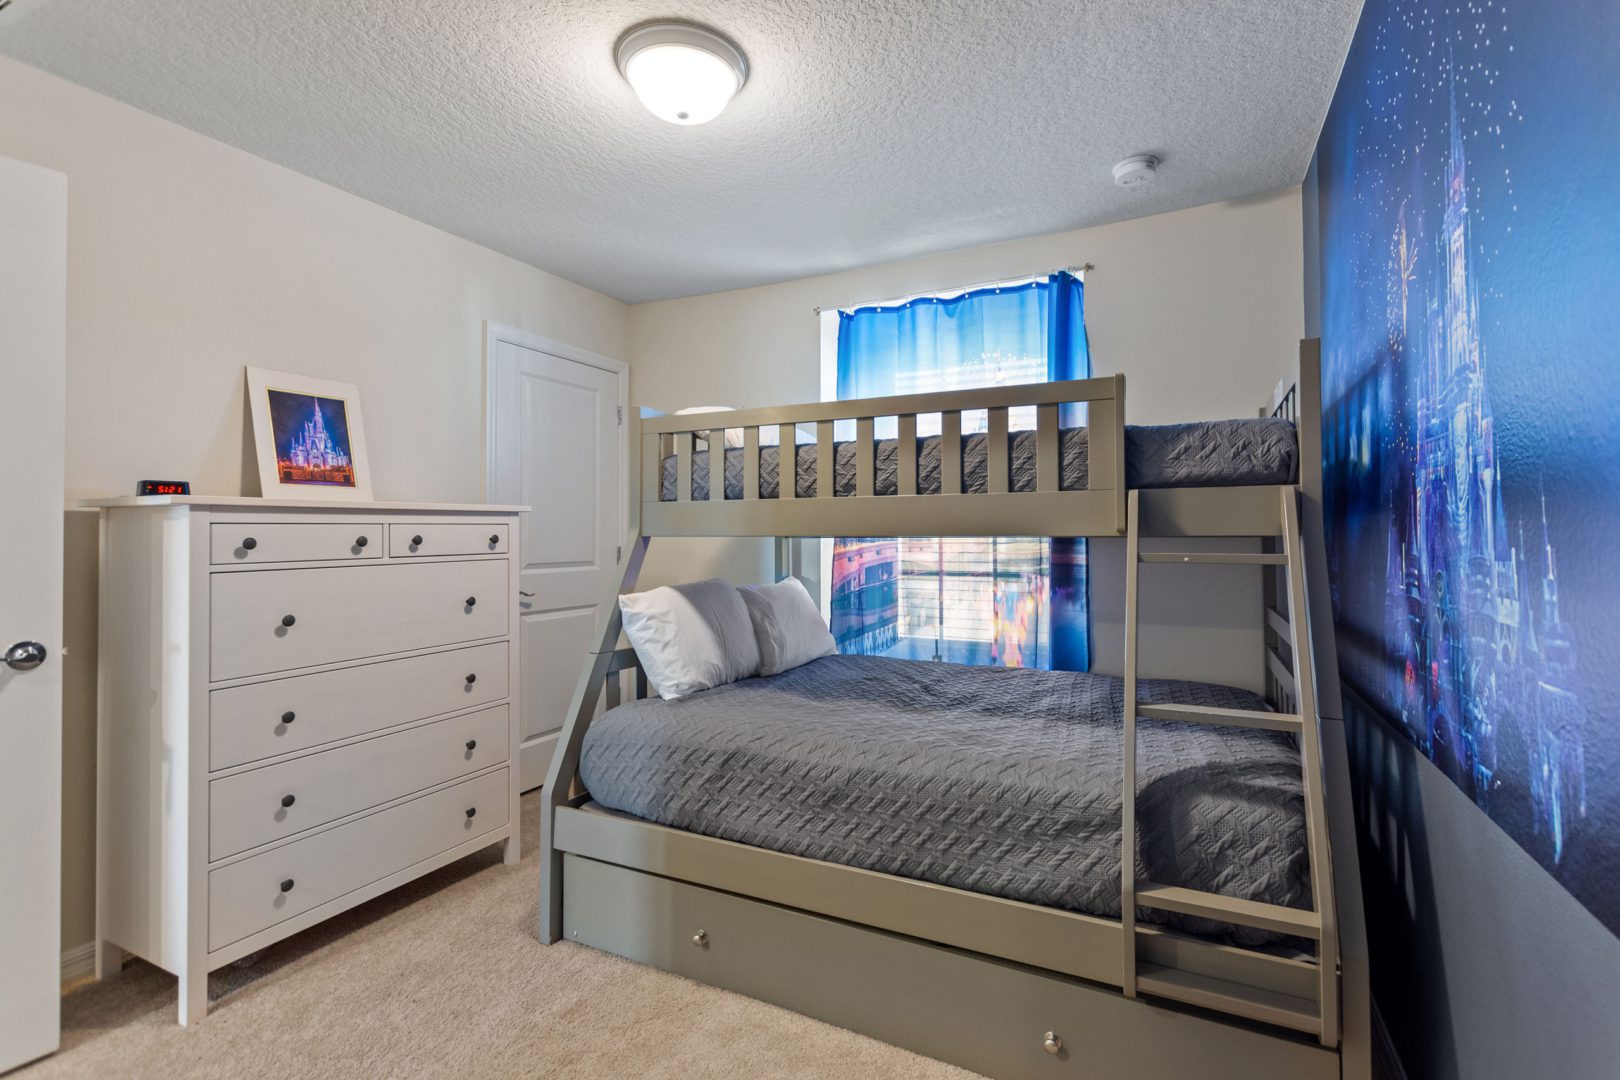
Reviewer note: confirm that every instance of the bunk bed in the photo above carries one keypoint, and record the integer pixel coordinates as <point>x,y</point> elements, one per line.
<point>989,965</point>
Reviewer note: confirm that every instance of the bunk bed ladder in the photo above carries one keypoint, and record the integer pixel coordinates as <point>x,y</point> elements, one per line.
<point>1319,1017</point>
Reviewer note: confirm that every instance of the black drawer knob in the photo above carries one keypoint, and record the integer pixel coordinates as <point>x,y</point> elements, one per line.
<point>287,620</point>
<point>286,886</point>
<point>287,800</point>
<point>248,543</point>
<point>494,539</point>
<point>471,679</point>
<point>472,744</point>
<point>288,717</point>
<point>362,540</point>
<point>416,541</point>
<point>471,600</point>
<point>472,811</point>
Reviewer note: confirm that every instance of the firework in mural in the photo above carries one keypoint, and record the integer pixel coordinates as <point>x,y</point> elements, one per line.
<point>1444,538</point>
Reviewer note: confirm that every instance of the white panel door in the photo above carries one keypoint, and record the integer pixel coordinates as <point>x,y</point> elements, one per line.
<point>556,445</point>
<point>33,320</point>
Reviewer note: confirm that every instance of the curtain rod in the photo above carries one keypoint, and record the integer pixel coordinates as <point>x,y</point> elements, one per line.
<point>1078,269</point>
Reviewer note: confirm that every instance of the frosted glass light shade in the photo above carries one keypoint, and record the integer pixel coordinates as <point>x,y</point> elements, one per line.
<point>682,72</point>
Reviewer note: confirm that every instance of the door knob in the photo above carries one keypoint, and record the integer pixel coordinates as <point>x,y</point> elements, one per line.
<point>25,656</point>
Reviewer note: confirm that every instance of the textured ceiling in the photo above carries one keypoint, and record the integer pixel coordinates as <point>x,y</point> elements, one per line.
<point>869,129</point>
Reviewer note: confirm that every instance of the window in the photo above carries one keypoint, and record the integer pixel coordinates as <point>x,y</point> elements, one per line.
<point>1006,601</point>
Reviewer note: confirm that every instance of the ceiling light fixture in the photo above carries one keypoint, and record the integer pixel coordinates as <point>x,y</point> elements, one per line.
<point>682,72</point>
<point>1135,170</point>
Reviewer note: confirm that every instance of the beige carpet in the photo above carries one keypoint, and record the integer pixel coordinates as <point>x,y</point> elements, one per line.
<point>445,978</point>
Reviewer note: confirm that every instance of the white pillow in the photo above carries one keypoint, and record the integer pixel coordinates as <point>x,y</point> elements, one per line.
<point>787,625</point>
<point>690,637</point>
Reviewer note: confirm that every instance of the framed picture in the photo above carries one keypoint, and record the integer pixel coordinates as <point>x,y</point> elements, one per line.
<point>309,437</point>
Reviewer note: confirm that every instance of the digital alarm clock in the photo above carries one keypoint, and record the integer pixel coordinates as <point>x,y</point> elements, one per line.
<point>163,487</point>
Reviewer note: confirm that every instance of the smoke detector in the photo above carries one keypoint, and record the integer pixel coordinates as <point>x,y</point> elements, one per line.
<point>1137,170</point>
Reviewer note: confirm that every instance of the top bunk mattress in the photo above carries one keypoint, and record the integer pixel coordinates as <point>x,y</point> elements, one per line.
<point>1211,453</point>
<point>994,780</point>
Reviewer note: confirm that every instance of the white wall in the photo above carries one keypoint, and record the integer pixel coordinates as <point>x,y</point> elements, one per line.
<point>1200,309</point>
<point>188,259</point>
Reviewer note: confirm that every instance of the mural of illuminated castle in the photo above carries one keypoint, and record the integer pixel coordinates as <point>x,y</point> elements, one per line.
<point>314,454</point>
<point>1476,656</point>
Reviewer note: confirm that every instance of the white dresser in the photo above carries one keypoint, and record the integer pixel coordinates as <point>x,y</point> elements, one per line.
<point>302,705</point>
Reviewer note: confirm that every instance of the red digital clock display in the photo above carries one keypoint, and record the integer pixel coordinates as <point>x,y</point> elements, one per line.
<point>163,487</point>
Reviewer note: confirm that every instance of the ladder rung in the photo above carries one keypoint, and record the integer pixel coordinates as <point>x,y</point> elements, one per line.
<point>1283,920</point>
<point>1206,991</point>
<point>1242,558</point>
<point>1209,714</point>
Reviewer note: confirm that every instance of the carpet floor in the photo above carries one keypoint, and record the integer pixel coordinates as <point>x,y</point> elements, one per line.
<point>445,979</point>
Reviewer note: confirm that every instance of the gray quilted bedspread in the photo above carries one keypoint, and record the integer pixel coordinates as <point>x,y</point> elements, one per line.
<point>995,780</point>
<point>1216,453</point>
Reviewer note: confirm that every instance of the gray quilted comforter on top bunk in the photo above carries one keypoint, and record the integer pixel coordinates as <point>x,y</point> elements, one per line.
<point>994,780</point>
<point>1215,453</point>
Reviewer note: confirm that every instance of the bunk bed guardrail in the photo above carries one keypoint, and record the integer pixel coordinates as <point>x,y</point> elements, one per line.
<point>1048,510</point>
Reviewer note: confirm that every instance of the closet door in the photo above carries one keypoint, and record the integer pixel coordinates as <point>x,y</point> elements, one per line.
<point>557,445</point>
<point>33,320</point>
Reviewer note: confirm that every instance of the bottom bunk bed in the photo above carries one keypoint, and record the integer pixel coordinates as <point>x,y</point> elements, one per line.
<point>994,780</point>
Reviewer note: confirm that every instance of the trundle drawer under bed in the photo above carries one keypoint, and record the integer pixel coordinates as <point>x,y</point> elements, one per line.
<point>998,1018</point>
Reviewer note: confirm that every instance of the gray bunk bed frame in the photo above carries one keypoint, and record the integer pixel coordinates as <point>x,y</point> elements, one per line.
<point>1008,989</point>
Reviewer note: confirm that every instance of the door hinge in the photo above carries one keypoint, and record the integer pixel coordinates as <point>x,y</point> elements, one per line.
<point>618,555</point>
<point>620,409</point>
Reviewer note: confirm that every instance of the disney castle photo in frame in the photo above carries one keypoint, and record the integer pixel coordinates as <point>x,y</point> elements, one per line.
<point>308,436</point>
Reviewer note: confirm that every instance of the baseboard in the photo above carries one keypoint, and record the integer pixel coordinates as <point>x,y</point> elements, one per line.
<point>78,962</point>
<point>1387,1064</point>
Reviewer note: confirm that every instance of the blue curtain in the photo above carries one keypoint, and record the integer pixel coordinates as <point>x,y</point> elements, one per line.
<point>1032,332</point>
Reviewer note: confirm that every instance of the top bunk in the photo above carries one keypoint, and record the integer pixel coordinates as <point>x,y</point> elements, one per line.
<point>1054,459</point>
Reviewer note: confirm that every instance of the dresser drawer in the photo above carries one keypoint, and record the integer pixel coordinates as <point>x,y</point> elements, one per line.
<point>262,542</point>
<point>264,719</point>
<point>251,808</point>
<point>406,540</point>
<point>276,620</point>
<point>259,892</point>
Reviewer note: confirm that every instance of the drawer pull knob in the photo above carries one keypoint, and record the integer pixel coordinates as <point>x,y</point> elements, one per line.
<point>287,620</point>
<point>472,744</point>
<point>287,800</point>
<point>362,540</point>
<point>494,539</point>
<point>701,939</point>
<point>471,678</point>
<point>472,811</point>
<point>288,717</point>
<point>248,543</point>
<point>286,886</point>
<point>1052,1043</point>
<point>416,541</point>
<point>471,600</point>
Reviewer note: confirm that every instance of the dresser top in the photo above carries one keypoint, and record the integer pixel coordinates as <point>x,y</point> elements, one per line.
<point>250,502</point>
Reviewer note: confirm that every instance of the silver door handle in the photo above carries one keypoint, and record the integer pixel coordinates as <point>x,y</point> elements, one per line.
<point>25,656</point>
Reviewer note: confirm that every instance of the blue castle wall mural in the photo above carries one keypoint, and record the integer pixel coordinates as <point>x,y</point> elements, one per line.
<point>1470,257</point>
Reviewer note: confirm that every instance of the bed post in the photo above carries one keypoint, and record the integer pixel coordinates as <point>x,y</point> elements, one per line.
<point>581,711</point>
<point>1355,990</point>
